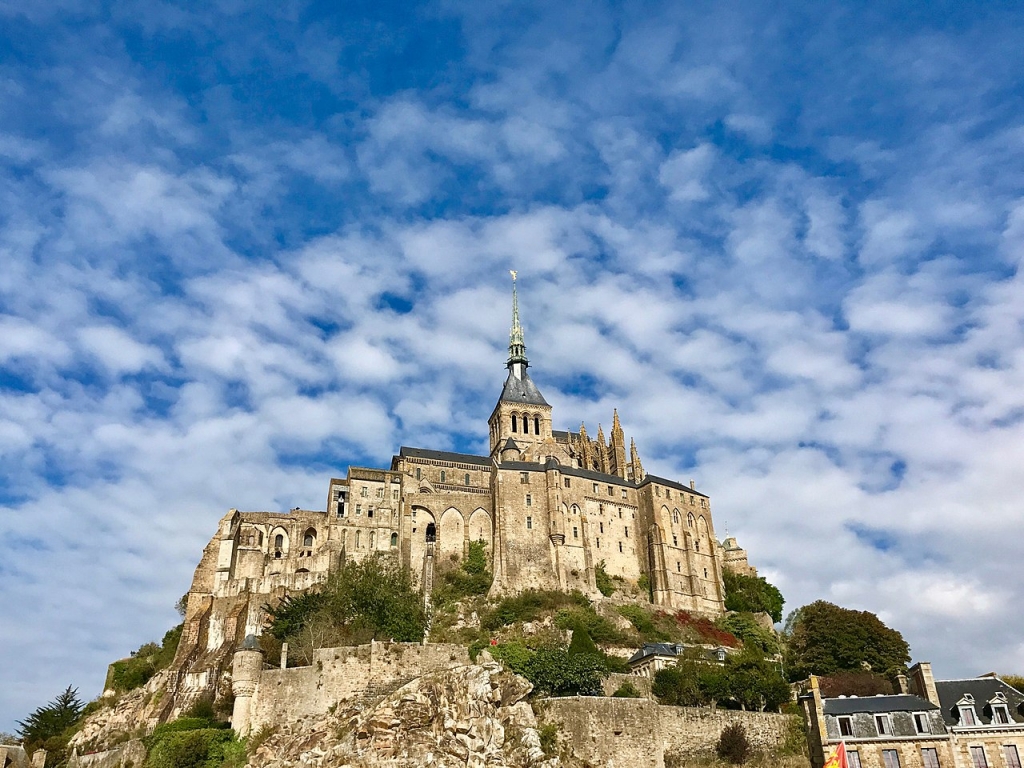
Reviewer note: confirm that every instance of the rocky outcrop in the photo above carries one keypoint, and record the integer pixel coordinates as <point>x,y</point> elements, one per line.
<point>127,716</point>
<point>465,716</point>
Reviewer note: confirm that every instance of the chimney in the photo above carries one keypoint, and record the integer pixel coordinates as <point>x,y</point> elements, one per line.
<point>923,683</point>
<point>901,684</point>
<point>693,485</point>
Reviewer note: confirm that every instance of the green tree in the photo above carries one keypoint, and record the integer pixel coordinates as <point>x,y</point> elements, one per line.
<point>732,744</point>
<point>1014,681</point>
<point>752,594</point>
<point>372,599</point>
<point>755,683</point>
<point>824,639</point>
<point>553,671</point>
<point>753,635</point>
<point>52,719</point>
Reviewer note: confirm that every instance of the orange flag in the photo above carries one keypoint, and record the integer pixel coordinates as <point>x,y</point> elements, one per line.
<point>838,759</point>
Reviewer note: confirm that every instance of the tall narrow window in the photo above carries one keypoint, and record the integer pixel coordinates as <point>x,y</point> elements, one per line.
<point>679,567</point>
<point>419,473</point>
<point>675,540</point>
<point>853,758</point>
<point>627,531</point>
<point>467,478</point>
<point>529,523</point>
<point>1011,756</point>
<point>890,758</point>
<point>529,500</point>
<point>536,425</point>
<point>444,476</point>
<point>978,758</point>
<point>921,722</point>
<point>575,532</point>
<point>526,425</point>
<point>358,539</point>
<point>369,512</point>
<point>930,757</point>
<point>373,539</point>
<point>566,483</point>
<point>524,478</point>
<point>601,526</point>
<point>279,541</point>
<point>620,546</point>
<point>1000,714</point>
<point>515,427</point>
<point>967,716</point>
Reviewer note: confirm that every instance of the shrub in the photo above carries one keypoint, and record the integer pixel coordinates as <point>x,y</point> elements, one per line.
<point>469,578</point>
<point>203,748</point>
<point>135,671</point>
<point>642,622</point>
<point>752,594</point>
<point>605,585</point>
<point>861,683</point>
<point>754,637</point>
<point>626,691</point>
<point>549,739</point>
<point>553,670</point>
<point>368,600</point>
<point>644,585</point>
<point>733,745</point>
<point>586,619</point>
<point>530,605</point>
<point>582,643</point>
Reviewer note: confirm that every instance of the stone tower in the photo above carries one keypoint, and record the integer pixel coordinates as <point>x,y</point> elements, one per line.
<point>520,425</point>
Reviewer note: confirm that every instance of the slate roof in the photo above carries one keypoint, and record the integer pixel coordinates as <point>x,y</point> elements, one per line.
<point>521,390</point>
<point>668,649</point>
<point>854,704</point>
<point>983,689</point>
<point>459,458</point>
<point>671,484</point>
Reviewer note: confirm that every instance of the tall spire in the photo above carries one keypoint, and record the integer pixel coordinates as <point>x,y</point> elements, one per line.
<point>516,343</point>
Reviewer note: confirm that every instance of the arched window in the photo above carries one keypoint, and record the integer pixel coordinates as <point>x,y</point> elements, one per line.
<point>373,539</point>
<point>443,475</point>
<point>279,541</point>
<point>675,516</point>
<point>689,520</point>
<point>515,420</point>
<point>358,537</point>
<point>309,540</point>
<point>394,540</point>
<point>536,425</point>
<point>419,473</point>
<point>526,424</point>
<point>467,478</point>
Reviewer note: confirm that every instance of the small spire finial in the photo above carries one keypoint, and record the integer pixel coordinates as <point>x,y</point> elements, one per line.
<point>516,342</point>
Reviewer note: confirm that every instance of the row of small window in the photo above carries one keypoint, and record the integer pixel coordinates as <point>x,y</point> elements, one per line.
<point>444,476</point>
<point>883,724</point>
<point>930,757</point>
<point>524,422</point>
<point>373,539</point>
<point>679,569</point>
<point>365,493</point>
<point>668,495</point>
<point>696,543</point>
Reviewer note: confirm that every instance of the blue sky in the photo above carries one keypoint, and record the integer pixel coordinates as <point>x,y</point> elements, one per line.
<point>242,247</point>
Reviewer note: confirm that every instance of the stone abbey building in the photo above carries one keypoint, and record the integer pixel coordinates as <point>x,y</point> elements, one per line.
<point>550,505</point>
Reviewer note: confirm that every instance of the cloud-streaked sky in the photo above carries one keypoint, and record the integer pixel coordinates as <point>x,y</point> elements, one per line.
<point>245,246</point>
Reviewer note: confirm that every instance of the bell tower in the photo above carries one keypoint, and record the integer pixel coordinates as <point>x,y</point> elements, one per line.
<point>521,420</point>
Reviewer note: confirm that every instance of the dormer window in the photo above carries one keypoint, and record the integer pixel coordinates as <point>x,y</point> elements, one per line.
<point>921,723</point>
<point>1000,714</point>
<point>883,725</point>
<point>967,715</point>
<point>845,726</point>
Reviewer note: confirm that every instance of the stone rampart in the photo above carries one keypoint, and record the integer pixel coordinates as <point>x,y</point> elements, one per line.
<point>639,733</point>
<point>344,674</point>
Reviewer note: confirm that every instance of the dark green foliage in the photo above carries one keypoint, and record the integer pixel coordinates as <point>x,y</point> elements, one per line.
<point>825,639</point>
<point>605,584</point>
<point>194,741</point>
<point>549,739</point>
<point>752,594</point>
<point>601,630</point>
<point>732,745</point>
<point>582,643</point>
<point>554,671</point>
<point>128,674</point>
<point>644,585</point>
<point>372,599</point>
<point>626,691</point>
<point>529,606</point>
<point>643,623</point>
<point>852,683</point>
<point>50,727</point>
<point>469,578</point>
<point>202,709</point>
<point>753,635</point>
<point>745,681</point>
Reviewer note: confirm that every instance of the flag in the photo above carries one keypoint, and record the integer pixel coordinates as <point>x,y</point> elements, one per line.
<point>838,759</point>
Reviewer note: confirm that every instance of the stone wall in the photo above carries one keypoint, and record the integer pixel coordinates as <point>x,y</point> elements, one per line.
<point>131,754</point>
<point>343,674</point>
<point>615,679</point>
<point>639,733</point>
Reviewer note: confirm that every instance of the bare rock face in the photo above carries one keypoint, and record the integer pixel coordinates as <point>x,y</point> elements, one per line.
<point>133,714</point>
<point>466,716</point>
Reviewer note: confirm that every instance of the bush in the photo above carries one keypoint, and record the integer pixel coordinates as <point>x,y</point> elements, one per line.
<point>626,691</point>
<point>553,670</point>
<point>202,748</point>
<point>752,594</point>
<point>549,739</point>
<point>644,585</point>
<point>530,605</point>
<point>369,600</point>
<point>643,623</point>
<point>605,585</point>
<point>135,671</point>
<point>469,578</point>
<point>733,745</point>
<point>600,629</point>
<point>753,636</point>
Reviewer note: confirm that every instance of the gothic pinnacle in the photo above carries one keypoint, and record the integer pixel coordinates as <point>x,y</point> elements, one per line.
<point>516,340</point>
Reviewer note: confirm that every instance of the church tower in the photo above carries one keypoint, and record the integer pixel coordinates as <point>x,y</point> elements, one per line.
<point>520,424</point>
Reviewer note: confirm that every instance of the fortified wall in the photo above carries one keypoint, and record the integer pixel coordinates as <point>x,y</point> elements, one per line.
<point>630,733</point>
<point>266,696</point>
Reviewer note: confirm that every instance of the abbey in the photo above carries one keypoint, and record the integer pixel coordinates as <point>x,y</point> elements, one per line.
<point>549,505</point>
